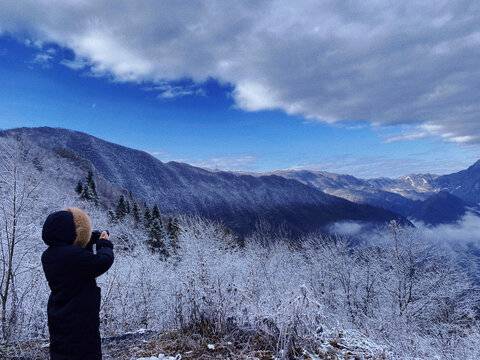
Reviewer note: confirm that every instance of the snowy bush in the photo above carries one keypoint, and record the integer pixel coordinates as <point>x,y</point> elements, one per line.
<point>404,294</point>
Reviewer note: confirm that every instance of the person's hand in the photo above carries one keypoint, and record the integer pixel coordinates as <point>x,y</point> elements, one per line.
<point>104,235</point>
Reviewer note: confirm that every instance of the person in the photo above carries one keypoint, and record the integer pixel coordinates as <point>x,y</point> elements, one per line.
<point>71,266</point>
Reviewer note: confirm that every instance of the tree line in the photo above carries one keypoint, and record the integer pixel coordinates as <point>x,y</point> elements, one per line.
<point>162,232</point>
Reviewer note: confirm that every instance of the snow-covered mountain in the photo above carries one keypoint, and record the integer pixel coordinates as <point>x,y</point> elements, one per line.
<point>465,184</point>
<point>236,199</point>
<point>412,186</point>
<point>377,192</point>
<point>405,195</point>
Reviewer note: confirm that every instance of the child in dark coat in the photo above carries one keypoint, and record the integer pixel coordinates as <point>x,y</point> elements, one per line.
<point>71,268</point>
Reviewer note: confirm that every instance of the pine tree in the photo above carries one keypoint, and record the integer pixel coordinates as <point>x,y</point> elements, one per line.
<point>155,212</point>
<point>86,193</point>
<point>89,191</point>
<point>91,182</point>
<point>79,188</point>
<point>136,215</point>
<point>173,230</point>
<point>111,216</point>
<point>157,237</point>
<point>121,209</point>
<point>127,206</point>
<point>147,218</point>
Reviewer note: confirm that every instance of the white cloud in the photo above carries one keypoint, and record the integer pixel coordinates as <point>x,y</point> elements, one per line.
<point>42,59</point>
<point>230,163</point>
<point>466,230</point>
<point>170,91</point>
<point>366,166</point>
<point>33,43</point>
<point>253,96</point>
<point>346,228</point>
<point>383,62</point>
<point>462,235</point>
<point>76,64</point>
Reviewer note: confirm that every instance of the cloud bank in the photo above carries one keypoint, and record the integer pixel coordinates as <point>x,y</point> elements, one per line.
<point>466,231</point>
<point>382,62</point>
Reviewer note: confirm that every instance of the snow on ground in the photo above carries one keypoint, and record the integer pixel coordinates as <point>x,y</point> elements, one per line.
<point>162,357</point>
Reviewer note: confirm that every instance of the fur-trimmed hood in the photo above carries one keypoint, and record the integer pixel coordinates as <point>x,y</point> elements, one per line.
<point>83,226</point>
<point>67,227</point>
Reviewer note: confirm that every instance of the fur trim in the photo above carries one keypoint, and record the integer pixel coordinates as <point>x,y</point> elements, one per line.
<point>83,226</point>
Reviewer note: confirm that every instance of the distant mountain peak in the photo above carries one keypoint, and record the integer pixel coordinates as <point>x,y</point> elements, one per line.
<point>475,166</point>
<point>441,208</point>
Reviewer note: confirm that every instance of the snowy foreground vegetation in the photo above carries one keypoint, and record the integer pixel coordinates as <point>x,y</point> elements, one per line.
<point>399,297</point>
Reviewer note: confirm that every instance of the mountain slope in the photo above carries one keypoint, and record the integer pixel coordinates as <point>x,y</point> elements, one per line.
<point>238,200</point>
<point>465,184</point>
<point>353,189</point>
<point>412,186</point>
<point>441,208</point>
<point>411,195</point>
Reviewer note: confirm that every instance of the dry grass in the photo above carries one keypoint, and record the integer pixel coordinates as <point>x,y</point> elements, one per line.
<point>192,343</point>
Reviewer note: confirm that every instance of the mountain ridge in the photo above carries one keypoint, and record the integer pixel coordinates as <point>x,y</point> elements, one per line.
<point>402,195</point>
<point>176,185</point>
<point>237,200</point>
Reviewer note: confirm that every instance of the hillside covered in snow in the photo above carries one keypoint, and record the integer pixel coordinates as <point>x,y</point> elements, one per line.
<point>190,289</point>
<point>235,199</point>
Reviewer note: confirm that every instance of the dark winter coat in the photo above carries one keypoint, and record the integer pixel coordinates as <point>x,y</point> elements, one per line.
<point>74,304</point>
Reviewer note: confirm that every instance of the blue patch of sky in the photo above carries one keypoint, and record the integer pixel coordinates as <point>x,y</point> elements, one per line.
<point>192,128</point>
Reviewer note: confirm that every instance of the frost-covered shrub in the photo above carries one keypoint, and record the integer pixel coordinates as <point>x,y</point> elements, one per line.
<point>403,294</point>
<point>289,294</point>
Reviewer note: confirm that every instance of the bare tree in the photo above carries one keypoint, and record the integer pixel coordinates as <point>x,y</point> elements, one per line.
<point>18,192</point>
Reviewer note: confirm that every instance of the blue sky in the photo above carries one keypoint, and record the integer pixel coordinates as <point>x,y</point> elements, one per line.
<point>266,105</point>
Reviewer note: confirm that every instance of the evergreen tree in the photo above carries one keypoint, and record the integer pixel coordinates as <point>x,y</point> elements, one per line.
<point>79,188</point>
<point>86,193</point>
<point>157,237</point>
<point>121,209</point>
<point>136,215</point>
<point>89,191</point>
<point>173,230</point>
<point>91,182</point>
<point>111,216</point>
<point>91,186</point>
<point>127,206</point>
<point>147,218</point>
<point>155,212</point>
